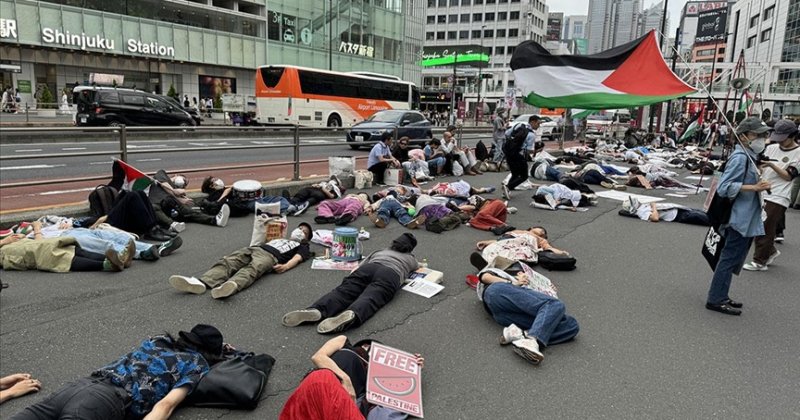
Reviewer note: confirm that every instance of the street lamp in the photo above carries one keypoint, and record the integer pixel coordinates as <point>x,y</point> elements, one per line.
<point>480,79</point>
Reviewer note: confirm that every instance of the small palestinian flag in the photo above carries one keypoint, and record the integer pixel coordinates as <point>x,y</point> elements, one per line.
<point>691,130</point>
<point>135,180</point>
<point>630,75</point>
<point>746,102</point>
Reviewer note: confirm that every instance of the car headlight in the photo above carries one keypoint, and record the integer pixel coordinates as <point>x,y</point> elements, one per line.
<point>381,131</point>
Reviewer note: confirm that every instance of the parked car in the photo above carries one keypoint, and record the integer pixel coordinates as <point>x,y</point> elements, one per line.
<point>193,112</point>
<point>111,106</point>
<point>548,128</point>
<point>382,124</point>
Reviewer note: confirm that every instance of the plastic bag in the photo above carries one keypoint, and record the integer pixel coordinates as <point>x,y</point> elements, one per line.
<point>342,166</point>
<point>264,214</point>
<point>457,169</point>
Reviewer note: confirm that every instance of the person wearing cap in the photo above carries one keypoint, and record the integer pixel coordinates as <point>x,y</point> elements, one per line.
<point>149,382</point>
<point>780,163</point>
<point>239,270</point>
<point>740,183</point>
<point>363,292</point>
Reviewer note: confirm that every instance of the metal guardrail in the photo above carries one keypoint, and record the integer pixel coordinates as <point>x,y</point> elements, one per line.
<point>123,151</point>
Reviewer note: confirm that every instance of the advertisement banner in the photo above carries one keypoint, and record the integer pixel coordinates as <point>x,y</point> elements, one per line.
<point>394,380</point>
<point>211,86</point>
<point>712,25</point>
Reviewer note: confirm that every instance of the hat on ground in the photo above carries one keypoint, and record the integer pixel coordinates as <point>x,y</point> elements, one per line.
<point>783,129</point>
<point>204,337</point>
<point>753,124</point>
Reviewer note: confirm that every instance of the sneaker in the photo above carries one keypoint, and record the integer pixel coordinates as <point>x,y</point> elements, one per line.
<point>511,334</point>
<point>343,220</point>
<point>221,218</point>
<point>376,220</point>
<point>511,210</point>
<point>301,208</point>
<point>127,254</point>
<point>323,220</point>
<point>754,266</point>
<point>337,323</point>
<point>528,349</point>
<point>772,257</point>
<point>506,191</point>
<point>170,246</point>
<point>113,261</point>
<point>416,222</point>
<point>606,184</point>
<point>295,318</point>
<point>620,187</point>
<point>551,201</point>
<point>150,254</point>
<point>224,290</point>
<point>490,189</point>
<point>477,260</point>
<point>178,226</point>
<point>779,238</point>
<point>187,284</point>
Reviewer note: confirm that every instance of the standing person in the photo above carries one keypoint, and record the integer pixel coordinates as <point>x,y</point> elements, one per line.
<point>498,136</point>
<point>380,158</point>
<point>519,143</point>
<point>6,99</point>
<point>780,170</point>
<point>186,101</point>
<point>363,292</point>
<point>149,382</point>
<point>740,183</point>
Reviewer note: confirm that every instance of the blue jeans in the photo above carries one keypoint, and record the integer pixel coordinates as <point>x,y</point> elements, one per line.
<point>391,208</point>
<point>99,241</point>
<point>552,174</point>
<point>593,177</point>
<point>544,316</point>
<point>730,262</point>
<point>611,170</point>
<point>436,163</point>
<point>286,207</point>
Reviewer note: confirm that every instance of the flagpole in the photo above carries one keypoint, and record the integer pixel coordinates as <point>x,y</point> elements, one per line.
<point>660,44</point>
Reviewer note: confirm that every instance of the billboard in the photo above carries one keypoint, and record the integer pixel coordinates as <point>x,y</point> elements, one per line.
<point>712,25</point>
<point>693,8</point>
<point>211,86</point>
<point>554,24</point>
<point>448,54</point>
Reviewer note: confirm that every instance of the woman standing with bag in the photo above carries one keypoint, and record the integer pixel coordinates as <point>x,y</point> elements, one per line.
<point>739,184</point>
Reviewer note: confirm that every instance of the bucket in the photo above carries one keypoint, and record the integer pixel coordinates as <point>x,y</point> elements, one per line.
<point>345,244</point>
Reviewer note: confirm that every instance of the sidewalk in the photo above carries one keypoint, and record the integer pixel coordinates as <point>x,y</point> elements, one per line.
<point>65,120</point>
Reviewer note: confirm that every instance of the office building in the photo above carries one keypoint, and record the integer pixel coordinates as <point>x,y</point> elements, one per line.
<point>688,23</point>
<point>612,23</point>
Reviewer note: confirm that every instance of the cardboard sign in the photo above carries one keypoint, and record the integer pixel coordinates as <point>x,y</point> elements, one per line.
<point>394,380</point>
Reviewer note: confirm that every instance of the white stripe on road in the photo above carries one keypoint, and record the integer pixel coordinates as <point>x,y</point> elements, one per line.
<point>101,163</point>
<point>28,150</point>
<point>66,191</point>
<point>73,148</point>
<point>148,160</point>
<point>222,143</point>
<point>265,142</point>
<point>12,168</point>
<point>149,146</point>
<point>317,141</point>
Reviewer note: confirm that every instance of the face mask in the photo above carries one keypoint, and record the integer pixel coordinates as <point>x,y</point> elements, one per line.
<point>758,145</point>
<point>298,235</point>
<point>219,184</point>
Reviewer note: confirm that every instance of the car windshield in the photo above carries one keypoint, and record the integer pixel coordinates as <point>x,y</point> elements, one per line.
<point>389,116</point>
<point>523,118</point>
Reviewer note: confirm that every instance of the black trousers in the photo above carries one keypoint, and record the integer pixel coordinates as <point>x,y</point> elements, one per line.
<point>364,291</point>
<point>378,170</point>
<point>84,399</point>
<point>519,170</point>
<point>86,261</point>
<point>133,212</point>
<point>314,196</point>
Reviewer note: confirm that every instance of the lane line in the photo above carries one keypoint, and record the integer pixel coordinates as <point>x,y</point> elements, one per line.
<point>149,160</point>
<point>12,168</point>
<point>73,148</point>
<point>27,150</point>
<point>101,163</point>
<point>65,191</point>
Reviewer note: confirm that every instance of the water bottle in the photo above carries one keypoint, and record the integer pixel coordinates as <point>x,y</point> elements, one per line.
<point>424,263</point>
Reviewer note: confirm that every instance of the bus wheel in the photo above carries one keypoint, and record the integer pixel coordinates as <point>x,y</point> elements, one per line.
<point>334,121</point>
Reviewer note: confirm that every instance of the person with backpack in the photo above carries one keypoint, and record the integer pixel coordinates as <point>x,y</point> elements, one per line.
<point>517,147</point>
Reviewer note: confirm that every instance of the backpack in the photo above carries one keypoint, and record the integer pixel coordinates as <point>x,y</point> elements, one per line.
<point>515,139</point>
<point>101,199</point>
<point>481,153</point>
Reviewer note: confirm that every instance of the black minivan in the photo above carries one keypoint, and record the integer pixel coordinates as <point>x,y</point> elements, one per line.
<point>109,106</point>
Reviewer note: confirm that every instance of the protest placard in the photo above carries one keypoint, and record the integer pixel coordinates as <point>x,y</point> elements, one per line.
<point>394,380</point>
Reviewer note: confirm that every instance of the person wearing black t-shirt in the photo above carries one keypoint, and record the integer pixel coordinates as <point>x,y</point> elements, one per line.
<point>237,271</point>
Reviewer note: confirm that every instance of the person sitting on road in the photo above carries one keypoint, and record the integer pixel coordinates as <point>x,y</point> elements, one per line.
<point>380,159</point>
<point>57,255</point>
<point>401,149</point>
<point>456,154</point>
<point>342,211</point>
<point>435,157</point>
<point>382,211</point>
<point>507,297</point>
<point>488,214</point>
<point>363,292</point>
<point>337,387</point>
<point>17,385</point>
<point>667,212</point>
<point>239,270</point>
<point>150,381</point>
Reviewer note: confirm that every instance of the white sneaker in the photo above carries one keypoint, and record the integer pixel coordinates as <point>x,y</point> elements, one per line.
<point>772,257</point>
<point>187,284</point>
<point>223,215</point>
<point>511,334</point>
<point>528,349</point>
<point>224,290</point>
<point>178,226</point>
<point>301,208</point>
<point>754,266</point>
<point>506,191</point>
<point>295,318</point>
<point>511,210</point>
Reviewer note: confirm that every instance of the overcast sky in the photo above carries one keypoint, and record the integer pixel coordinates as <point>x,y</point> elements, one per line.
<point>581,7</point>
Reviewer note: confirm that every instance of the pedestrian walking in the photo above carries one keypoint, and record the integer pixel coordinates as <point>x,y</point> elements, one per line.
<point>518,145</point>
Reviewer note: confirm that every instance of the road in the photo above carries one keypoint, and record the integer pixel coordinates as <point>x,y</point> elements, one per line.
<point>647,349</point>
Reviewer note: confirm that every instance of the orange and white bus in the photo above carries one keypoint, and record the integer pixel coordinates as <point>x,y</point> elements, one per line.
<point>320,98</point>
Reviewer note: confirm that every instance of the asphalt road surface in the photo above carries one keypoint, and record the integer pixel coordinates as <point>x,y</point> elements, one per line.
<point>647,347</point>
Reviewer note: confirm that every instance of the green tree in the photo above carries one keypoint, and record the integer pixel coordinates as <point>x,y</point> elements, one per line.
<point>218,101</point>
<point>172,93</point>
<point>47,99</point>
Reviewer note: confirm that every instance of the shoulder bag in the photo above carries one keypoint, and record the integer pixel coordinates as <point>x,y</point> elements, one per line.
<point>236,383</point>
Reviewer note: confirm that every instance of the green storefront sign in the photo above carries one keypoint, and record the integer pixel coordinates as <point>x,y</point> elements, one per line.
<point>24,86</point>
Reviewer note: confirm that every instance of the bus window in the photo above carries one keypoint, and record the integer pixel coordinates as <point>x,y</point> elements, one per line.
<point>271,75</point>
<point>414,98</point>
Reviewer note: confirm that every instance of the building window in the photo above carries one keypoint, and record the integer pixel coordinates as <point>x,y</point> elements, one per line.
<point>768,12</point>
<point>441,19</point>
<point>751,41</point>
<point>477,17</point>
<point>465,18</point>
<point>463,34</point>
<point>431,19</point>
<point>766,34</point>
<point>489,17</point>
<point>488,33</point>
<point>466,2</point>
<point>513,32</point>
<point>429,36</point>
<point>431,3</point>
<point>754,21</point>
<point>454,2</point>
<point>501,33</point>
<point>452,19</point>
<point>491,1</point>
<point>476,34</point>
<point>510,50</point>
<point>440,35</point>
<point>513,16</point>
<point>478,1</point>
<point>451,34</point>
<point>502,15</point>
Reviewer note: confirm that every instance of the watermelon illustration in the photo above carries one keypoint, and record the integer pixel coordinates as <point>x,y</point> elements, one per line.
<point>397,385</point>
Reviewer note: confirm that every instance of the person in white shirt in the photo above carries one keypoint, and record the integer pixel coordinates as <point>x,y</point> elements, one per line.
<point>780,170</point>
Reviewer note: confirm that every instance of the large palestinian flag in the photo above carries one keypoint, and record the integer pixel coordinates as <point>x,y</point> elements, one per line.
<point>630,75</point>
<point>133,179</point>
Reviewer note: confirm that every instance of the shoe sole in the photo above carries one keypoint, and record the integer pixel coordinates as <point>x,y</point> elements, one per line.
<point>113,258</point>
<point>531,357</point>
<point>179,227</point>
<point>130,251</point>
<point>477,260</point>
<point>337,323</point>
<point>772,258</point>
<point>752,268</point>
<point>419,221</point>
<point>182,285</point>
<point>226,214</point>
<point>174,245</point>
<point>734,312</point>
<point>223,291</point>
<point>295,318</point>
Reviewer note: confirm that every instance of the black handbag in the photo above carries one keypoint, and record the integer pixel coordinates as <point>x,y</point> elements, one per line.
<point>719,211</point>
<point>712,246</point>
<point>236,383</point>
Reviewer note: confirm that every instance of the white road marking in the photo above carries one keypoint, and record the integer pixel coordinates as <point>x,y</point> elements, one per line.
<point>27,150</point>
<point>222,143</point>
<point>267,143</point>
<point>66,191</point>
<point>149,146</point>
<point>148,160</point>
<point>12,168</point>
<point>317,141</point>
<point>73,148</point>
<point>101,163</point>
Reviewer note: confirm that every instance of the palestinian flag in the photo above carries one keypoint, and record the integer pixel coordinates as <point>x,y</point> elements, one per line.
<point>633,74</point>
<point>691,130</point>
<point>134,179</point>
<point>746,102</point>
